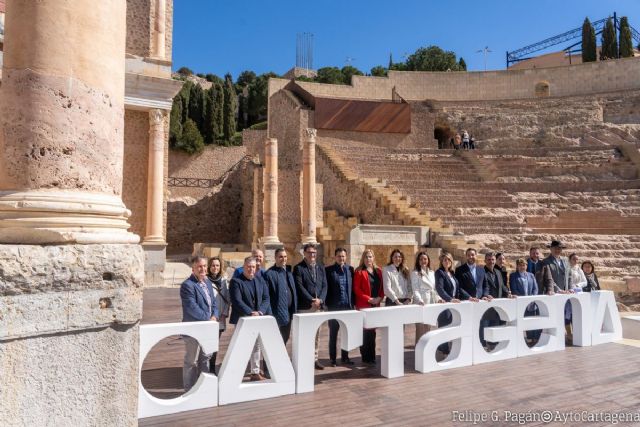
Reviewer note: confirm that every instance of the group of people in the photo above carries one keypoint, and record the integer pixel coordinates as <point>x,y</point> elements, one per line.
<point>310,287</point>
<point>464,141</point>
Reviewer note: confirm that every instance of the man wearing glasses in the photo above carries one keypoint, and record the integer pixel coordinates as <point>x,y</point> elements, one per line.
<point>311,286</point>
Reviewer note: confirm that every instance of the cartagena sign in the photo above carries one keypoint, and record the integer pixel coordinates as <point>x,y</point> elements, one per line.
<point>595,321</point>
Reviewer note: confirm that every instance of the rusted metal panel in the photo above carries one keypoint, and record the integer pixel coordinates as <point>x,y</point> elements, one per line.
<point>362,116</point>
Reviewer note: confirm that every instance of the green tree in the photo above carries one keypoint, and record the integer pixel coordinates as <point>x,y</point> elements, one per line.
<point>246,78</point>
<point>462,65</point>
<point>184,71</point>
<point>390,62</point>
<point>191,140</point>
<point>432,58</point>
<point>218,111</point>
<point>626,46</point>
<point>330,75</point>
<point>213,78</point>
<point>258,98</point>
<point>211,131</point>
<point>197,106</point>
<point>379,71</point>
<point>348,71</point>
<point>230,105</point>
<point>609,49</point>
<point>175,120</point>
<point>588,42</point>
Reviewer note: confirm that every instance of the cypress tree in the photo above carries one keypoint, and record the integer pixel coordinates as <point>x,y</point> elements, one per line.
<point>175,120</point>
<point>196,105</point>
<point>626,46</point>
<point>229,111</point>
<point>588,42</point>
<point>218,112</point>
<point>390,67</point>
<point>462,65</point>
<point>609,49</point>
<point>208,133</point>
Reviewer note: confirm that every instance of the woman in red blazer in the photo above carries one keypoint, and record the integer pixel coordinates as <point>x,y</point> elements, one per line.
<point>368,292</point>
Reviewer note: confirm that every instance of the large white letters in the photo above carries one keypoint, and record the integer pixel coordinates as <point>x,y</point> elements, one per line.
<point>390,322</point>
<point>594,315</point>
<point>248,330</point>
<point>204,394</point>
<point>304,330</point>
<point>459,332</point>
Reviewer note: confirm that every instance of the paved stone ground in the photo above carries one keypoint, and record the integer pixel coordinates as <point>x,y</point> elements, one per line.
<point>600,378</point>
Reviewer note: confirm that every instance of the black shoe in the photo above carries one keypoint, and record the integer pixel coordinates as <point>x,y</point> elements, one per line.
<point>318,366</point>
<point>346,361</point>
<point>334,363</point>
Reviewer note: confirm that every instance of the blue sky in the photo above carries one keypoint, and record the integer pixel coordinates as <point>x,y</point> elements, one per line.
<point>220,36</point>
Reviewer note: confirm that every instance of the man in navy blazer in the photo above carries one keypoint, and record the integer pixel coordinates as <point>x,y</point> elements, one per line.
<point>470,275</point>
<point>311,285</point>
<point>339,297</point>
<point>282,293</point>
<point>250,297</point>
<point>198,305</point>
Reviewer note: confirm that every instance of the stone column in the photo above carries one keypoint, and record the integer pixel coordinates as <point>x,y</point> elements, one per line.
<point>72,275</point>
<point>270,242</point>
<point>155,179</point>
<point>159,27</point>
<point>270,185</point>
<point>309,186</point>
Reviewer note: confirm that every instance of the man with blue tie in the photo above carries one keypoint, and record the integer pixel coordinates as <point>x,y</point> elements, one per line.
<point>470,275</point>
<point>282,293</point>
<point>339,297</point>
<point>250,297</point>
<point>198,304</point>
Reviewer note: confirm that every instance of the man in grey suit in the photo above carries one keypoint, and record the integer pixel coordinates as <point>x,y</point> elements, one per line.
<point>557,266</point>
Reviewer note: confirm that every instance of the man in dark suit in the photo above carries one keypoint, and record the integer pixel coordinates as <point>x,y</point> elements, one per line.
<point>282,293</point>
<point>250,297</point>
<point>493,287</point>
<point>470,275</point>
<point>339,297</point>
<point>557,267</point>
<point>311,285</point>
<point>198,304</point>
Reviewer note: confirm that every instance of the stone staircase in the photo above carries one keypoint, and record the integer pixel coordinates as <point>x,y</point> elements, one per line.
<point>397,207</point>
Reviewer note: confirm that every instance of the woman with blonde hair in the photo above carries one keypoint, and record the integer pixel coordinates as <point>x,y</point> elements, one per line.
<point>423,284</point>
<point>396,280</point>
<point>367,290</point>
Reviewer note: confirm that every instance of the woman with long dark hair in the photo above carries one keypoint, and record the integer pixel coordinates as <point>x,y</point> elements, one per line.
<point>423,284</point>
<point>223,298</point>
<point>396,280</point>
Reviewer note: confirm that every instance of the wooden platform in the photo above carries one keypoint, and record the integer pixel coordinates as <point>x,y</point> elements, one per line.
<point>600,378</point>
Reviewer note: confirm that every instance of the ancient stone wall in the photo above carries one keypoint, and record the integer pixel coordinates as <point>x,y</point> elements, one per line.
<point>218,216</point>
<point>168,32</point>
<point>581,79</point>
<point>593,119</point>
<point>211,163</point>
<point>139,26</point>
<point>134,178</point>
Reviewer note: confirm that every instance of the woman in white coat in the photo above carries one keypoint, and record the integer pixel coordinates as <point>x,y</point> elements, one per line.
<point>423,284</point>
<point>396,280</point>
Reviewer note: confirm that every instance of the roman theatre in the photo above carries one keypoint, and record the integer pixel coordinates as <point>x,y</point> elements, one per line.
<point>96,211</point>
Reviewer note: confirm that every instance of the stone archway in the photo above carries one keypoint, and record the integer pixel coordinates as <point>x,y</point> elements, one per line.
<point>542,89</point>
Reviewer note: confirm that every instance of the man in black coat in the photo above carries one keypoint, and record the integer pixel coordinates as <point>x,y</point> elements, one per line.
<point>250,297</point>
<point>494,287</point>
<point>311,286</point>
<point>470,275</point>
<point>282,293</point>
<point>339,297</point>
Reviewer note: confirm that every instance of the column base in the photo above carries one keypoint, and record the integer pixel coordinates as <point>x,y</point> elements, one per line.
<point>39,217</point>
<point>155,258</point>
<point>269,246</point>
<point>69,317</point>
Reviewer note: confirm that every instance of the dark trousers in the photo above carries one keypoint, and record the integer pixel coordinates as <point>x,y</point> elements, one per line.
<point>368,347</point>
<point>334,327</point>
<point>214,356</point>
<point>285,331</point>
<point>533,310</point>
